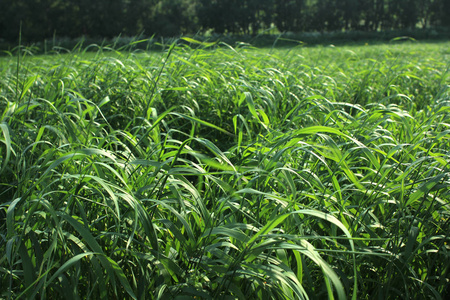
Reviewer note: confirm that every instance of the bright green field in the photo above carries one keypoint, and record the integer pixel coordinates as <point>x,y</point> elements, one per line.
<point>228,173</point>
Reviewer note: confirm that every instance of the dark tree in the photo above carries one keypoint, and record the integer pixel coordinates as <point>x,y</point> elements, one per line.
<point>171,18</point>
<point>406,12</point>
<point>218,15</point>
<point>327,16</point>
<point>290,15</point>
<point>43,19</point>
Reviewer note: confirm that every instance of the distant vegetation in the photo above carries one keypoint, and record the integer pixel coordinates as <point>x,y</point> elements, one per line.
<point>226,173</point>
<point>45,19</point>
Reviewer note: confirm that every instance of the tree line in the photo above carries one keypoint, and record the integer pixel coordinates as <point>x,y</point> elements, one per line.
<point>43,19</point>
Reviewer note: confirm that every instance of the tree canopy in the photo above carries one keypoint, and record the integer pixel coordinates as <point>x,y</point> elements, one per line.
<point>41,19</point>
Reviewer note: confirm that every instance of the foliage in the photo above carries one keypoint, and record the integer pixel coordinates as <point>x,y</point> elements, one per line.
<point>226,173</point>
<point>46,19</point>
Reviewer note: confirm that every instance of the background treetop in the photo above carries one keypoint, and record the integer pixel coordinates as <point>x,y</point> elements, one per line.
<point>42,19</point>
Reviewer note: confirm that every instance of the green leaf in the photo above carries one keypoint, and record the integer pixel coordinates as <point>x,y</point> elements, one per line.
<point>425,188</point>
<point>27,85</point>
<point>111,266</point>
<point>76,259</point>
<point>7,142</point>
<point>192,41</point>
<point>201,122</point>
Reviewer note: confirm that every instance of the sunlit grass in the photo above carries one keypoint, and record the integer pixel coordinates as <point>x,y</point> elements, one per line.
<point>226,173</point>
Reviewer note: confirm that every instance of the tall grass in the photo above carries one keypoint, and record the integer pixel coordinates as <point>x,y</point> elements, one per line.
<point>226,173</point>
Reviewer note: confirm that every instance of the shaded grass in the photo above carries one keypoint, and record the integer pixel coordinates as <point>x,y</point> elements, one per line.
<point>233,173</point>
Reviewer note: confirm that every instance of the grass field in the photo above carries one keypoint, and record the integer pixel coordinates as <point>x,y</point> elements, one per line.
<point>226,173</point>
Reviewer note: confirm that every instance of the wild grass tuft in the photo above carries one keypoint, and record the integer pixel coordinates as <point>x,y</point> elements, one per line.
<point>234,173</point>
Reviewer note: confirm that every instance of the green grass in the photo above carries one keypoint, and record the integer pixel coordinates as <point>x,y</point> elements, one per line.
<point>226,173</point>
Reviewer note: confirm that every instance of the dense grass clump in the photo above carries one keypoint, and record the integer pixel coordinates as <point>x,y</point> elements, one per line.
<point>232,173</point>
